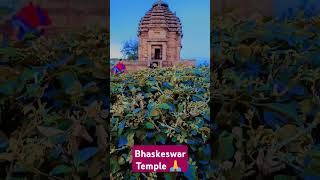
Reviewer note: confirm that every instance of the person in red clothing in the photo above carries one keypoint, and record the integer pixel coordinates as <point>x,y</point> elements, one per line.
<point>30,19</point>
<point>119,68</point>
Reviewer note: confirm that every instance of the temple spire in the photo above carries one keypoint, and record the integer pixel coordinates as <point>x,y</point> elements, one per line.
<point>159,2</point>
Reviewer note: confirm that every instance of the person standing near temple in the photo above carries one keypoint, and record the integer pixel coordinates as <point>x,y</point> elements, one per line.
<point>31,19</point>
<point>119,68</point>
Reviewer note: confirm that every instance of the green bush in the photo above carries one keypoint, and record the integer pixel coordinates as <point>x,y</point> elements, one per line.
<point>54,108</point>
<point>266,98</point>
<point>265,102</point>
<point>162,106</point>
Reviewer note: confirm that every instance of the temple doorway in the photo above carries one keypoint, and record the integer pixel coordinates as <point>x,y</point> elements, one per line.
<point>157,53</point>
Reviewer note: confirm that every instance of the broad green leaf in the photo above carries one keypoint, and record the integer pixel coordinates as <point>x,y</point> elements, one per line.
<point>26,75</point>
<point>115,167</point>
<point>180,107</point>
<point>6,157</point>
<point>69,82</point>
<point>121,161</point>
<point>226,149</point>
<point>149,125</point>
<point>164,106</point>
<point>84,155</point>
<point>169,176</point>
<point>10,51</point>
<point>191,173</point>
<point>284,177</point>
<point>61,169</point>
<point>8,88</point>
<point>130,138</point>
<point>4,143</point>
<point>49,131</point>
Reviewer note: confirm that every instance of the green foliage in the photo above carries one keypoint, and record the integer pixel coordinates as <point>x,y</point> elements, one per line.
<point>53,104</point>
<point>162,106</point>
<point>265,98</point>
<point>130,49</point>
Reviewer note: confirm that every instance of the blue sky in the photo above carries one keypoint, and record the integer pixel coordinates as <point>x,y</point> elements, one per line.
<point>194,16</point>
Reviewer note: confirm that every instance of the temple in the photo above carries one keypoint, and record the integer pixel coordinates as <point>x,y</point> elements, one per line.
<point>160,34</point>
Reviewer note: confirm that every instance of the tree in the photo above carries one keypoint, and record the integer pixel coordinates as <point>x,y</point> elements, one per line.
<point>130,49</point>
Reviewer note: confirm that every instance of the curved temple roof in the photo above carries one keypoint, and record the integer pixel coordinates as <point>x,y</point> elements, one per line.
<point>160,16</point>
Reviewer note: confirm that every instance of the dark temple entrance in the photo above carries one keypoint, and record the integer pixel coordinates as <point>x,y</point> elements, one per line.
<point>157,54</point>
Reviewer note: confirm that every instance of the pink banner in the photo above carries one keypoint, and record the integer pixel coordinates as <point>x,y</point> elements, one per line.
<point>164,158</point>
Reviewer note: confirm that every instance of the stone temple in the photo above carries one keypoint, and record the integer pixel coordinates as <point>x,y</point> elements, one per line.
<point>160,34</point>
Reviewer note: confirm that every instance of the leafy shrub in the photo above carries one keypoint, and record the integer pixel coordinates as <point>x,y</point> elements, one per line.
<point>265,98</point>
<point>54,106</point>
<point>163,106</point>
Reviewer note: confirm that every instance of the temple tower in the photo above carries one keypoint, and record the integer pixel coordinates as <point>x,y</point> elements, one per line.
<point>160,34</point>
